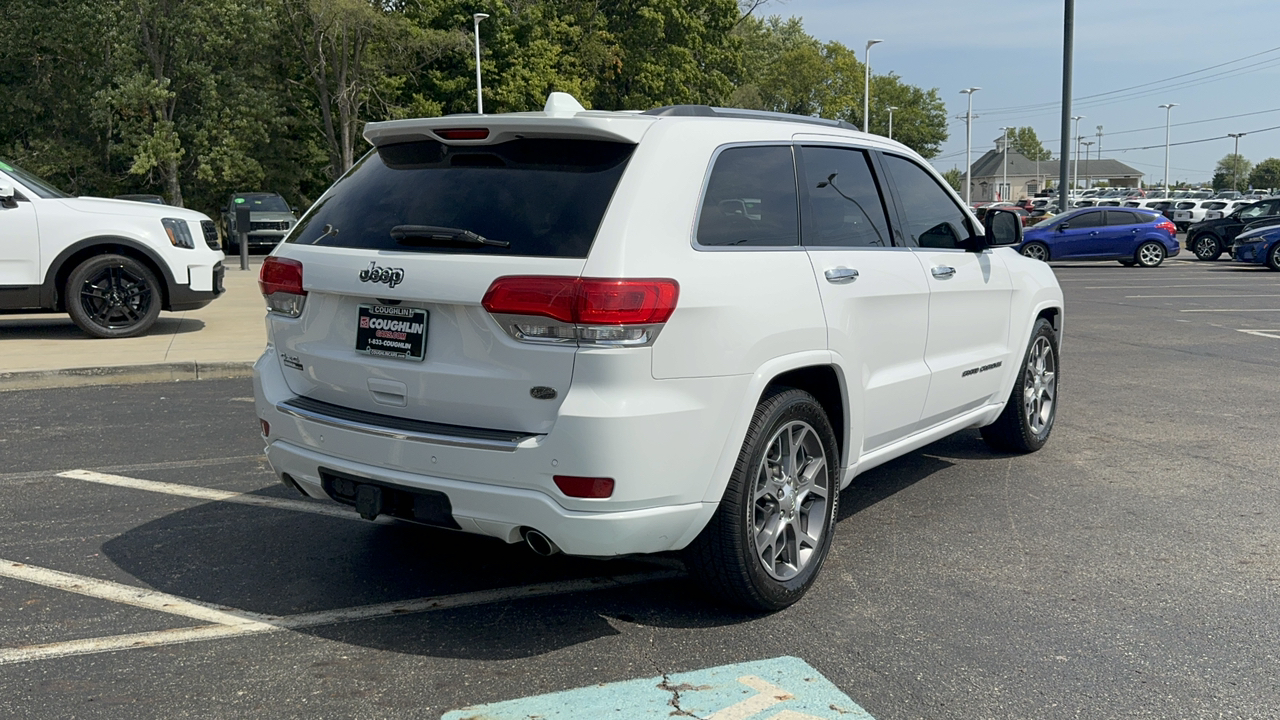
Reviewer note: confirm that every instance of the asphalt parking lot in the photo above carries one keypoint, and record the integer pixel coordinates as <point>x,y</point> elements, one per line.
<point>152,566</point>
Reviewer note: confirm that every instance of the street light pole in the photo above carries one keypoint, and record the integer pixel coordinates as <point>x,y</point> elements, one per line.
<point>1088,179</point>
<point>968,143</point>
<point>1075,172</point>
<point>1168,109</point>
<point>891,109</point>
<point>1004,162</point>
<point>866,87</point>
<point>479,91</point>
<point>1064,142</point>
<point>1235,162</point>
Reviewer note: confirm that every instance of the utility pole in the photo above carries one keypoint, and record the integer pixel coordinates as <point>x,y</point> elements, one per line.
<point>891,109</point>
<point>968,142</point>
<point>1075,171</point>
<point>1004,162</point>
<point>479,91</point>
<point>1235,161</point>
<point>1168,109</point>
<point>1088,179</point>
<point>866,87</point>
<point>1068,41</point>
<point>1099,142</point>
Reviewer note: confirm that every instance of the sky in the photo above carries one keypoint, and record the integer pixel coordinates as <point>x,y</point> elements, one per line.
<point>1013,51</point>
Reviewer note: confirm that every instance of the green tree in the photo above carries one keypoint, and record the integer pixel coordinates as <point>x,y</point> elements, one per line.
<point>1266,174</point>
<point>954,178</point>
<point>787,70</point>
<point>1025,141</point>
<point>1232,172</point>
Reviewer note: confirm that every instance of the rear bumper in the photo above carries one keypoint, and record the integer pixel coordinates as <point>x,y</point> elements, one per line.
<point>660,440</point>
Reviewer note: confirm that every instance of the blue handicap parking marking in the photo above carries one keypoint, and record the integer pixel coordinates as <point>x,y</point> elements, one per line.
<point>783,688</point>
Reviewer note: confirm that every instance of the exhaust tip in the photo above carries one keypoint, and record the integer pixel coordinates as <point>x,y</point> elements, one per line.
<point>539,543</point>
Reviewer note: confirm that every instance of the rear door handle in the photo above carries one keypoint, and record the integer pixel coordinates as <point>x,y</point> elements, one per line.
<point>943,271</point>
<point>841,275</point>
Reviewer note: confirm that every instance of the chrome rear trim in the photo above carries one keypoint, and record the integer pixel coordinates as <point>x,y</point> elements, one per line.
<point>402,428</point>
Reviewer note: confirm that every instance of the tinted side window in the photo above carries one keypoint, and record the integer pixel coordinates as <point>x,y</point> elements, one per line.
<point>1120,217</point>
<point>933,218</point>
<point>1086,220</point>
<point>845,207</point>
<point>751,199</point>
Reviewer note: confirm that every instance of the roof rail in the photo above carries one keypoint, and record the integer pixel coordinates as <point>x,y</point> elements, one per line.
<point>708,111</point>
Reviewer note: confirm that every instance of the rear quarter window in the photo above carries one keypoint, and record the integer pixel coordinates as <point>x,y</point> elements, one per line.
<point>545,197</point>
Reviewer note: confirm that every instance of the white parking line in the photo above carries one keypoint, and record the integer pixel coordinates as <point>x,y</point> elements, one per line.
<point>129,595</point>
<point>203,493</point>
<point>231,623</point>
<point>1199,296</point>
<point>1165,287</point>
<point>1203,310</point>
<point>168,465</point>
<point>1263,333</point>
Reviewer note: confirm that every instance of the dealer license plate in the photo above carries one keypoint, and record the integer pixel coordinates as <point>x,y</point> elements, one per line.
<point>392,331</point>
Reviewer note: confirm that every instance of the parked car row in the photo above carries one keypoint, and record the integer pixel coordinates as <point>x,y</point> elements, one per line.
<point>1209,238</point>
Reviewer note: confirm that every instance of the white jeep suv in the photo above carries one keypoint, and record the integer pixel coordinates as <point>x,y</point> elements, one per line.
<point>607,333</point>
<point>113,265</point>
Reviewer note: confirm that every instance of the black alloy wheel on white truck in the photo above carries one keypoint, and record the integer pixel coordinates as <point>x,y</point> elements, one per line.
<point>113,296</point>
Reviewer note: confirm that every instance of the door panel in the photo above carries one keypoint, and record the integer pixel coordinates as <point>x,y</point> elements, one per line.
<point>969,296</point>
<point>874,295</point>
<point>968,338</point>
<point>19,245</point>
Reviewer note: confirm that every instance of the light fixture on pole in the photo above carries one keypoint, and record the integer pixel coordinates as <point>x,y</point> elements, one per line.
<point>968,143</point>
<point>1235,161</point>
<point>1088,179</point>
<point>479,90</point>
<point>1075,173</point>
<point>1004,162</point>
<point>866,87</point>
<point>1168,109</point>
<point>891,109</point>
<point>1099,143</point>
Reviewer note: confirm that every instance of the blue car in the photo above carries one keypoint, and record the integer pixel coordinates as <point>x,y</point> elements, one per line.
<point>1260,246</point>
<point>1131,235</point>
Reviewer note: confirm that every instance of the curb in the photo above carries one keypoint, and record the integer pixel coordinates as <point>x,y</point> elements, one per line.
<point>124,375</point>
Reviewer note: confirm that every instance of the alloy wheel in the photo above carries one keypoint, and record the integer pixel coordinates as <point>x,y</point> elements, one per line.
<point>1035,251</point>
<point>115,298</point>
<point>1150,254</point>
<point>1040,386</point>
<point>1206,247</point>
<point>789,500</point>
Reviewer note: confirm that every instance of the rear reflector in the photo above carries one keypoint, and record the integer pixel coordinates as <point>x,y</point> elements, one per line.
<point>585,301</point>
<point>584,487</point>
<point>463,133</point>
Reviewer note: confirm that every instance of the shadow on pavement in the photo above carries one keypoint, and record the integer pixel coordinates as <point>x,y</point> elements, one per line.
<point>60,327</point>
<point>283,563</point>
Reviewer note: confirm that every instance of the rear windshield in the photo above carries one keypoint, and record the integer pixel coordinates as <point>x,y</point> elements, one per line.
<point>546,197</point>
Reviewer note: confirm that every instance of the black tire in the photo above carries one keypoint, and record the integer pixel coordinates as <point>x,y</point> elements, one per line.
<point>1014,431</point>
<point>1152,257</point>
<point>1036,251</point>
<point>1205,247</point>
<point>1127,263</point>
<point>724,558</point>
<point>1273,257</point>
<point>113,296</point>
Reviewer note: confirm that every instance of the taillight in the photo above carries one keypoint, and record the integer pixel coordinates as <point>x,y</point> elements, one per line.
<point>584,487</point>
<point>597,311</point>
<point>281,284</point>
<point>1166,225</point>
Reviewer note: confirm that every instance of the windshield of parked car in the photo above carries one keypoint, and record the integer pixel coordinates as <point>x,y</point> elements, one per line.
<point>262,203</point>
<point>35,184</point>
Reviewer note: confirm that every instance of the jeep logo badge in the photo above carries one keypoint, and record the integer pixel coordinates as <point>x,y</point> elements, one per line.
<point>374,274</point>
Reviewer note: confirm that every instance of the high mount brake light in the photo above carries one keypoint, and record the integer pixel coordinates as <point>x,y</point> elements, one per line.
<point>463,133</point>
<point>598,311</point>
<point>280,281</point>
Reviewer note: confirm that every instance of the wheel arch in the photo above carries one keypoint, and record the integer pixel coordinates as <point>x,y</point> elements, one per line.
<point>51,295</point>
<point>809,370</point>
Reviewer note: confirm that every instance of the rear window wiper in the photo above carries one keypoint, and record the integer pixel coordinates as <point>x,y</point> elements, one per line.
<point>431,234</point>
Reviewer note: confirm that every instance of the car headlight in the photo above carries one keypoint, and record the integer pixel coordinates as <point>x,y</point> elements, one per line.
<point>178,232</point>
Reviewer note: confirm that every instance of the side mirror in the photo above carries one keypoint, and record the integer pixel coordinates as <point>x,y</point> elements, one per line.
<point>1063,226</point>
<point>1002,227</point>
<point>6,191</point>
